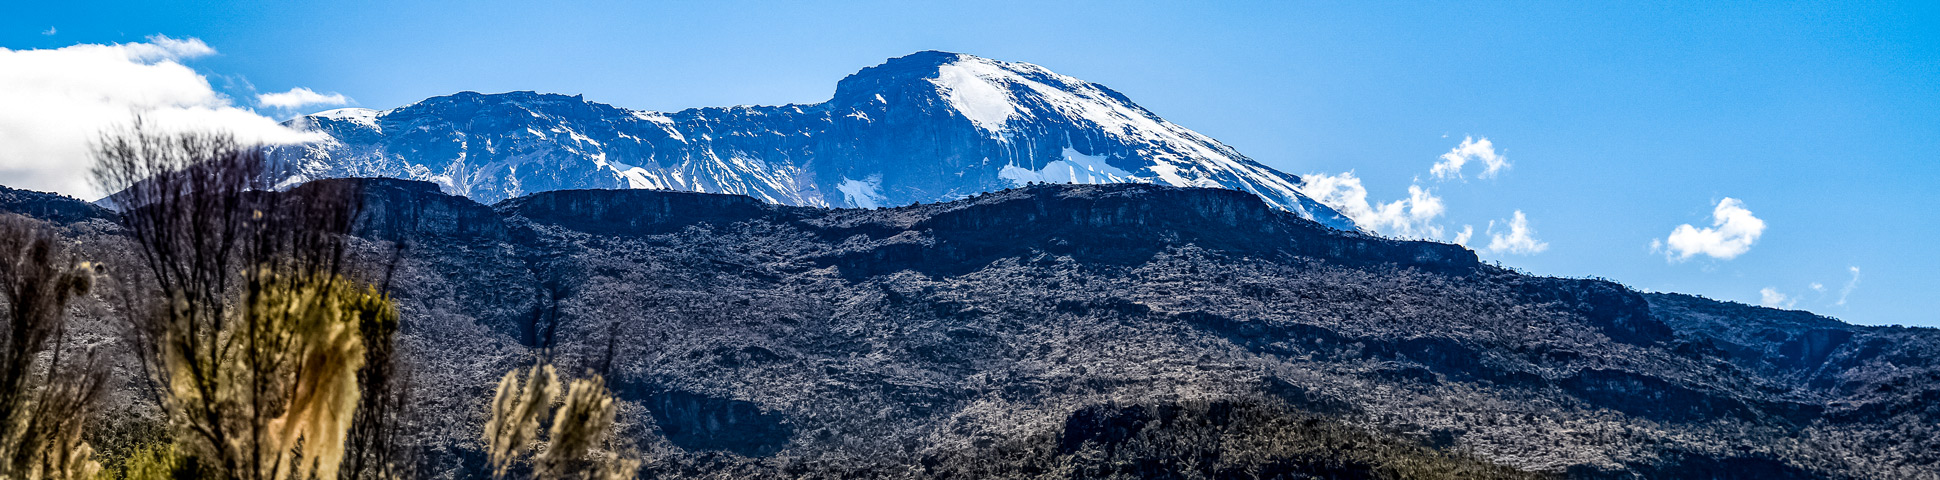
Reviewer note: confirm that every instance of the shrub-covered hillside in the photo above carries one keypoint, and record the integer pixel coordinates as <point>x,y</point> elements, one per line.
<point>1078,331</point>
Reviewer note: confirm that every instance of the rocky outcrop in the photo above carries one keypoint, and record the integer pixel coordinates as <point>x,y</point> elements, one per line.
<point>634,212</point>
<point>404,210</point>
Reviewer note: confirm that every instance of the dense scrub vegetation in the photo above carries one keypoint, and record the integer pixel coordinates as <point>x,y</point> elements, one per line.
<point>1255,438</point>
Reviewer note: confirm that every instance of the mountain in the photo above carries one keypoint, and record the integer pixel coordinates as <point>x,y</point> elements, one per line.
<point>1087,331</point>
<point>928,127</point>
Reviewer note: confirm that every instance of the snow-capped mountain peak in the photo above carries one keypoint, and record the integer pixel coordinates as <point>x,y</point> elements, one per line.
<point>927,127</point>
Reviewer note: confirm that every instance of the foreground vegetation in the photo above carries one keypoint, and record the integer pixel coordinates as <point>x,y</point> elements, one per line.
<point>268,359</point>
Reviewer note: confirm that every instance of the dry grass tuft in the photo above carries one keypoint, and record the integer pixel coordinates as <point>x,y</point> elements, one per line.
<point>581,424</point>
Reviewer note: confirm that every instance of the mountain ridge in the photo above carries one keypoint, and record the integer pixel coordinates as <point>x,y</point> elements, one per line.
<point>926,127</point>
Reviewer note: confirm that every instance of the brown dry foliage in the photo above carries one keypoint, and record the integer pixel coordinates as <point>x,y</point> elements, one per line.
<point>581,424</point>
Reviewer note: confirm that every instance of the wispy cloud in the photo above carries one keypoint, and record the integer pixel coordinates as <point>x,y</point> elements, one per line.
<point>300,97</point>
<point>1518,239</point>
<point>1462,237</point>
<point>1411,217</point>
<point>1846,291</point>
<point>1471,149</point>
<point>48,31</point>
<point>59,100</point>
<point>160,48</point>
<point>1732,232</point>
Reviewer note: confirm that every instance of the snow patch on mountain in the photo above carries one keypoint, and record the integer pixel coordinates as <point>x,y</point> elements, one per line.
<point>866,193</point>
<point>1074,168</point>
<point>971,88</point>
<point>364,117</point>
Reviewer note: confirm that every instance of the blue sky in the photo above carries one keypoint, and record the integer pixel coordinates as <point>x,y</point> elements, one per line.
<point>1821,121</point>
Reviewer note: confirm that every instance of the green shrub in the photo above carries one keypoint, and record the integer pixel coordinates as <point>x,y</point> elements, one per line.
<point>155,461</point>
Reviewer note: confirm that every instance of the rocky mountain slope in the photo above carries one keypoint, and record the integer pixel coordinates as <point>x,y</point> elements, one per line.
<point>1027,332</point>
<point>927,127</point>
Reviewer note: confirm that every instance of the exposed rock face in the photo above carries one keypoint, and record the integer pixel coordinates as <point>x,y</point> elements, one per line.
<point>752,337</point>
<point>703,423</point>
<point>636,212</point>
<point>927,127</point>
<point>403,210</point>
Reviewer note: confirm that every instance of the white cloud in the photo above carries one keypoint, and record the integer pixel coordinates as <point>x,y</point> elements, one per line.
<point>1770,297</point>
<point>1412,217</point>
<point>1732,232</point>
<point>59,101</point>
<point>1817,287</point>
<point>300,97</point>
<point>159,48</point>
<point>1850,285</point>
<point>1519,240</point>
<point>1418,215</point>
<point>48,31</point>
<point>1471,149</point>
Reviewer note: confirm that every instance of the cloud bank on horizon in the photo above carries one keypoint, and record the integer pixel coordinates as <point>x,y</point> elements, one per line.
<point>1416,216</point>
<point>59,101</point>
<point>1772,297</point>
<point>1412,217</point>
<point>300,97</point>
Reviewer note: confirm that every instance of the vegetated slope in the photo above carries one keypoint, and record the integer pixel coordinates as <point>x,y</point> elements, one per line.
<point>1243,438</point>
<point>927,127</point>
<point>1004,331</point>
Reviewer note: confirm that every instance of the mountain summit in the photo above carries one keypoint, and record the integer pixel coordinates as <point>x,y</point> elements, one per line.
<point>927,127</point>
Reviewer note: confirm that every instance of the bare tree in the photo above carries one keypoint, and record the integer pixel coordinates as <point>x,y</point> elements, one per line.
<point>376,447</point>
<point>43,403</point>
<point>244,320</point>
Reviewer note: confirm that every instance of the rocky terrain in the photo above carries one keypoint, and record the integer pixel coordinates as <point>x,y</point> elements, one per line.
<point>1099,330</point>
